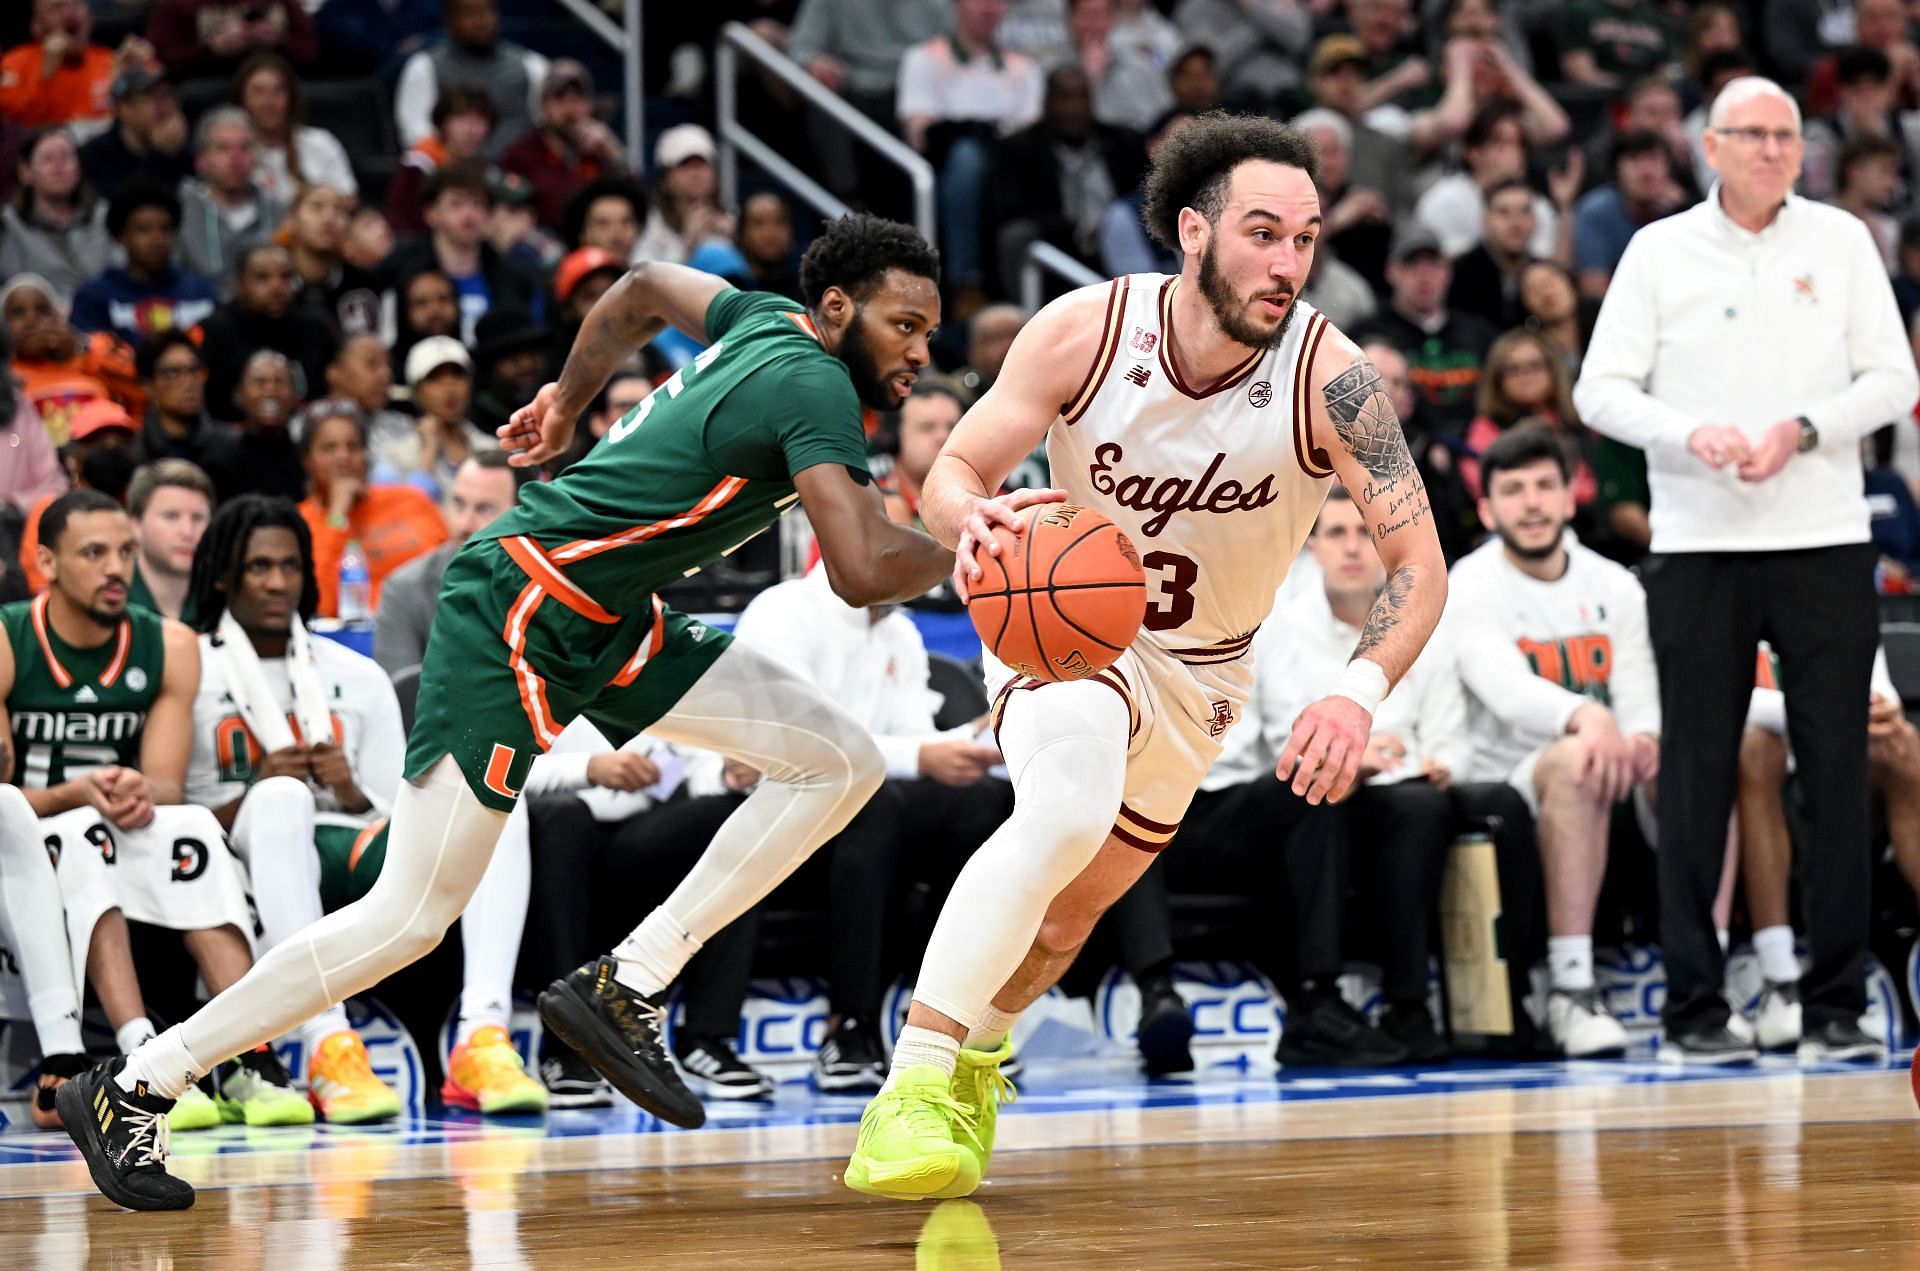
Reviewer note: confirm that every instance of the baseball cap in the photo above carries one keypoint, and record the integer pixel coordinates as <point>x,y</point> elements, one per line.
<point>510,189</point>
<point>1336,51</point>
<point>434,352</point>
<point>136,80</point>
<point>97,416</point>
<point>577,264</point>
<point>681,143</point>
<point>1413,240</point>
<point>564,74</point>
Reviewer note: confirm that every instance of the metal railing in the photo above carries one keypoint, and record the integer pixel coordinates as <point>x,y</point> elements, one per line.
<point>1043,259</point>
<point>738,41</point>
<point>624,40</point>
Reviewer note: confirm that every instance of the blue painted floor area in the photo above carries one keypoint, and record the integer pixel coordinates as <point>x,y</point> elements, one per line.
<point>1055,1087</point>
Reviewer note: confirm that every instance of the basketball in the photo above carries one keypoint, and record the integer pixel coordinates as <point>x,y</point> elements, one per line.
<point>1064,598</point>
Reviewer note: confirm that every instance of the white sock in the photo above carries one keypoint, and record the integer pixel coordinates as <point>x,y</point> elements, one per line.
<point>1725,937</point>
<point>56,1021</point>
<point>476,1015</point>
<point>322,1026</point>
<point>992,1029</point>
<point>923,1046</point>
<point>1570,958</point>
<point>654,953</point>
<point>164,1064</point>
<point>1774,947</point>
<point>130,1034</point>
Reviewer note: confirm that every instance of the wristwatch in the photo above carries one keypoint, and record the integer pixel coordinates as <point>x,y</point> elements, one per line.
<point>1809,435</point>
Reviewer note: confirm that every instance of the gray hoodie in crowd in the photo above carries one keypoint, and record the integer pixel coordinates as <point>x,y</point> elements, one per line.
<point>64,257</point>
<point>209,242</point>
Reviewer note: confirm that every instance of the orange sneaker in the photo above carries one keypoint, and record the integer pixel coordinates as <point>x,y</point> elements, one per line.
<point>341,1084</point>
<point>485,1075</point>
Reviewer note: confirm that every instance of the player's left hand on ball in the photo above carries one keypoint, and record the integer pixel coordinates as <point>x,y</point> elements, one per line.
<point>537,431</point>
<point>1322,757</point>
<point>976,532</point>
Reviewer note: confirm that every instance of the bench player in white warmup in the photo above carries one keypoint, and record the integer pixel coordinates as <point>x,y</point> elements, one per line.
<point>1206,417</point>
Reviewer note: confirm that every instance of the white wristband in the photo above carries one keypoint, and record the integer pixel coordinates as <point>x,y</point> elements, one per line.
<point>1363,682</point>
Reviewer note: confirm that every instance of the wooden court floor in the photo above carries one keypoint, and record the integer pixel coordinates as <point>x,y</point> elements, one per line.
<point>1775,1171</point>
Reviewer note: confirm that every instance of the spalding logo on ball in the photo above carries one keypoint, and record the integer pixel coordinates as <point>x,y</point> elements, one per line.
<point>1064,598</point>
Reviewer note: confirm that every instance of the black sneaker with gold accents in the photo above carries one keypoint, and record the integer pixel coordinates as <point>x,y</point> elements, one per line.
<point>620,1032</point>
<point>123,1136</point>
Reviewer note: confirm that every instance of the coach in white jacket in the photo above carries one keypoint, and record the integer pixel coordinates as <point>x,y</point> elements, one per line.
<point>1746,345</point>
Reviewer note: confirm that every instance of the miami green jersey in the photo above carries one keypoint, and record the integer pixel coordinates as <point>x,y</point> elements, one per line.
<point>703,464</point>
<point>77,709</point>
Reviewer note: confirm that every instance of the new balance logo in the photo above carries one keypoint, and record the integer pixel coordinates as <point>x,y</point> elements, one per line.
<point>1138,376</point>
<point>85,695</point>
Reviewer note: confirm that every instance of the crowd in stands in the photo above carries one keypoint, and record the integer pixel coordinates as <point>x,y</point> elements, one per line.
<point>198,272</point>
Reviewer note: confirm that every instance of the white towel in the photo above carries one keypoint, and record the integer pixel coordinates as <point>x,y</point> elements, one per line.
<point>254,699</point>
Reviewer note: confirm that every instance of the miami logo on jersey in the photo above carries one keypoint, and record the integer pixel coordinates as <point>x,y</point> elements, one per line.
<point>238,755</point>
<point>1583,663</point>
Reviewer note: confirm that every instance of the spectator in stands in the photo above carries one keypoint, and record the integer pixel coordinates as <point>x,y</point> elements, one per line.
<point>960,93</point>
<point>1129,89</point>
<point>222,211</point>
<point>1053,182</point>
<point>149,293</point>
<point>391,523</point>
<point>1192,81</point>
<point>1256,48</point>
<point>472,53</point>
<point>1867,174</point>
<point>1494,150</point>
<point>171,502</point>
<point>1865,107</point>
<point>147,140</point>
<point>60,369</point>
<point>1444,349</point>
<point>262,315</point>
<point>1645,187</point>
<point>1125,246</point>
<point>568,147</point>
<point>511,360</point>
<point>485,486</point>
<point>1435,451</point>
<point>1556,310</point>
<point>369,238</point>
<point>990,334</point>
<point>32,473</point>
<point>1377,161</point>
<point>102,451</point>
<point>1486,281</point>
<point>60,76</point>
<point>854,48</point>
<point>54,225</point>
<point>583,277</point>
<point>1881,25</point>
<point>1649,105</point>
<point>440,376</point>
<point>765,239</point>
<point>514,229</point>
<point>427,305</point>
<point>924,421</point>
<point>458,199</point>
<point>1609,43</point>
<point>206,38</point>
<point>1357,219</point>
<point>361,373</point>
<point>607,214</point>
<point>1553,647</point>
<point>177,425</point>
<point>328,286</point>
<point>1799,34</point>
<point>1401,90</point>
<point>1760,531</point>
<point>686,212</point>
<point>1141,29</point>
<point>259,457</point>
<point>290,152</point>
<point>1524,383</point>
<point>372,36</point>
<point>463,119</point>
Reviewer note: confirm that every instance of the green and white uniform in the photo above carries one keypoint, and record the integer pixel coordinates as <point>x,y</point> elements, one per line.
<point>551,612</point>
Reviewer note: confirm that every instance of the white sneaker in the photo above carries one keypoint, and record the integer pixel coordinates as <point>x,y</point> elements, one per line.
<point>1582,1026</point>
<point>1776,1021</point>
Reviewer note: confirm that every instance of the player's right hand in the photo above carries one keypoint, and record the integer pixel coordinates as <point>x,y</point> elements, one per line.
<point>622,770</point>
<point>292,761</point>
<point>120,795</point>
<point>1322,757</point>
<point>537,431</point>
<point>956,761</point>
<point>1606,757</point>
<point>976,532</point>
<point>1717,445</point>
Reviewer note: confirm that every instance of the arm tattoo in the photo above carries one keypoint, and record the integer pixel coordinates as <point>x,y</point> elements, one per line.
<point>1364,420</point>
<point>1386,611</point>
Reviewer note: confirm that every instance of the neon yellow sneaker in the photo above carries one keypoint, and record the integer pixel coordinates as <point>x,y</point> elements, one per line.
<point>255,1089</point>
<point>341,1085</point>
<point>193,1110</point>
<point>980,1088</point>
<point>957,1237</point>
<point>909,1141</point>
<point>485,1075</point>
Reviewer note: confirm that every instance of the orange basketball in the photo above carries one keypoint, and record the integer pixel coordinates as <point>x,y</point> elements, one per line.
<point>1064,598</point>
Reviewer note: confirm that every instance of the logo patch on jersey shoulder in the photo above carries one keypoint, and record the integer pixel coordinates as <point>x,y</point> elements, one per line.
<point>85,695</point>
<point>1139,376</point>
<point>1143,341</point>
<point>137,679</point>
<point>1260,394</point>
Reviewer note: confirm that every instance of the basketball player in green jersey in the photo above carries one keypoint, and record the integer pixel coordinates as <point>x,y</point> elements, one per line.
<point>552,613</point>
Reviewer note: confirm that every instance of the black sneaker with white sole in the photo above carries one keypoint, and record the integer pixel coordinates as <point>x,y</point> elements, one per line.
<point>715,1069</point>
<point>619,1032</point>
<point>1330,1033</point>
<point>1707,1045</point>
<point>1166,1029</point>
<point>1840,1041</point>
<point>850,1058</point>
<point>123,1136</point>
<point>571,1081</point>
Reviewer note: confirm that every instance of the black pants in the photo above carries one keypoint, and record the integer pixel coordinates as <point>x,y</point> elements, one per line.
<point>1401,835</point>
<point>1707,611</point>
<point>593,881</point>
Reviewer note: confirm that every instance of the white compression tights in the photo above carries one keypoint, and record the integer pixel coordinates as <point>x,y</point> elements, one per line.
<point>33,920</point>
<point>821,767</point>
<point>1067,754</point>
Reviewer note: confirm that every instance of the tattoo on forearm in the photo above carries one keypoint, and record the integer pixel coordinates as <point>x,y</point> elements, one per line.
<point>1365,421</point>
<point>1386,611</point>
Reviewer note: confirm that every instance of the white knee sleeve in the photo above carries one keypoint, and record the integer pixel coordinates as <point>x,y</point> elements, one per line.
<point>273,834</point>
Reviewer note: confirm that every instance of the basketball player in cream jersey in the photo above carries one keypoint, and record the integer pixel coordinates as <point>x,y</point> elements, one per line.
<point>1207,418</point>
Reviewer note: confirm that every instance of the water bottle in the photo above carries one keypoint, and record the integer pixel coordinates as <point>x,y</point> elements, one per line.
<point>356,587</point>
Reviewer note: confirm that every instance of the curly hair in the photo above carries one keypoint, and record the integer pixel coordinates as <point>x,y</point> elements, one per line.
<point>1192,166</point>
<point>854,252</point>
<point>221,556</point>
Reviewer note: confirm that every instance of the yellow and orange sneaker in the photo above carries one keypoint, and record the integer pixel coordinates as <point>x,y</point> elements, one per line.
<point>485,1075</point>
<point>341,1084</point>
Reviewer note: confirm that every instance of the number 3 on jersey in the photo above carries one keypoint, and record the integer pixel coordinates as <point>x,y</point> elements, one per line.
<point>1170,580</point>
<point>668,390</point>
